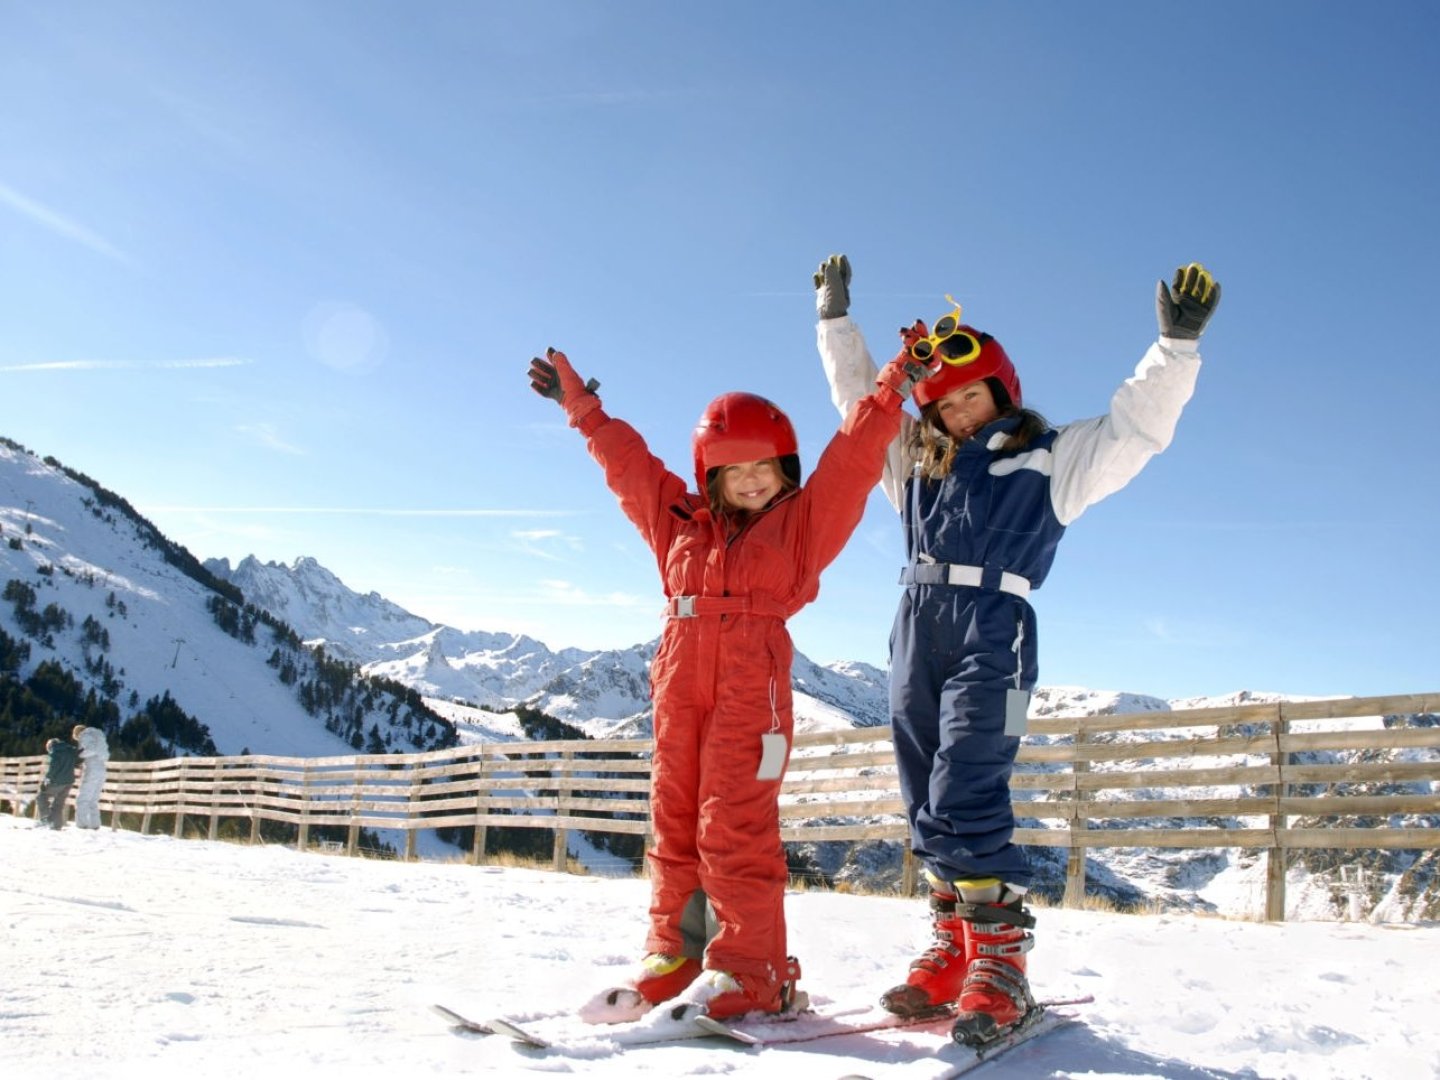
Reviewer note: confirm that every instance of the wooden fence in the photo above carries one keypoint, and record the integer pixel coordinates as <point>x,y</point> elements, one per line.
<point>1346,774</point>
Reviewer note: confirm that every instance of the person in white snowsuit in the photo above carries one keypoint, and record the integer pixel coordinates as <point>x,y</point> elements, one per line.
<point>94,753</point>
<point>986,489</point>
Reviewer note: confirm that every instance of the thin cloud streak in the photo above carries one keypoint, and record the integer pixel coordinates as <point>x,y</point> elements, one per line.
<point>129,365</point>
<point>60,224</point>
<point>360,511</point>
<point>268,437</point>
<point>534,541</point>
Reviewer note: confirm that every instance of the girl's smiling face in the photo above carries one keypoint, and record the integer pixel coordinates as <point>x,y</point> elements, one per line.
<point>966,409</point>
<point>750,485</point>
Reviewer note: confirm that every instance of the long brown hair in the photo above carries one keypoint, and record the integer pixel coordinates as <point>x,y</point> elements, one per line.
<point>935,449</point>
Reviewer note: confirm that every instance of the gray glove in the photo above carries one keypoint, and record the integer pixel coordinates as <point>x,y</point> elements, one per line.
<point>1186,306</point>
<point>832,287</point>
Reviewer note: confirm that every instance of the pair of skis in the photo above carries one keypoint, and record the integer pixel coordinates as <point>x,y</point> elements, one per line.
<point>550,1033</point>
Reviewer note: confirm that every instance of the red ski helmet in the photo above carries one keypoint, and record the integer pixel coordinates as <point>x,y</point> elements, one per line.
<point>991,363</point>
<point>740,427</point>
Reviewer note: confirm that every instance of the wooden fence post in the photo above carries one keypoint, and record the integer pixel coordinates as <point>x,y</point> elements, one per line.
<point>1276,857</point>
<point>414,788</point>
<point>146,807</point>
<point>303,840</point>
<point>352,835</point>
<point>180,798</point>
<point>909,871</point>
<point>257,784</point>
<point>1075,858</point>
<point>482,798</point>
<point>217,768</point>
<point>562,838</point>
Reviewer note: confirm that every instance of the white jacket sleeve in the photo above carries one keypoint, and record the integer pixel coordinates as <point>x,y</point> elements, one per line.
<point>851,374</point>
<point>1095,458</point>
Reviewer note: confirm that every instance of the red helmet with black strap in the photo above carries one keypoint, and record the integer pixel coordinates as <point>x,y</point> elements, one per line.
<point>740,427</point>
<point>990,362</point>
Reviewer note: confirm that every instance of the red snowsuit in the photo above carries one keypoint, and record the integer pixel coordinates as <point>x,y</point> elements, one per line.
<point>720,681</point>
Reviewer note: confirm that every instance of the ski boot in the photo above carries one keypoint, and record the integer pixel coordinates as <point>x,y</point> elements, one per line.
<point>723,995</point>
<point>936,977</point>
<point>995,997</point>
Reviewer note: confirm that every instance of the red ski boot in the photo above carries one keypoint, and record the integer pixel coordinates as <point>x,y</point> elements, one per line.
<point>996,995</point>
<point>724,996</point>
<point>936,977</point>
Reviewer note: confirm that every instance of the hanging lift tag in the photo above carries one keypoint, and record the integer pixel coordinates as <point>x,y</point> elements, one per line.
<point>1017,705</point>
<point>773,750</point>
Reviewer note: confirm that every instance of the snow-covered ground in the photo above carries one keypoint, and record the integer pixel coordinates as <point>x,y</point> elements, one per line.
<point>132,956</point>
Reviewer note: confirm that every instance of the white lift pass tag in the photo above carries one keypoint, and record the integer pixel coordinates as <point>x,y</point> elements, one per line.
<point>773,750</point>
<point>1017,706</point>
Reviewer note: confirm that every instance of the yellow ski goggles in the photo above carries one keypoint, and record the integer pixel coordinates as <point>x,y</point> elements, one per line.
<point>956,347</point>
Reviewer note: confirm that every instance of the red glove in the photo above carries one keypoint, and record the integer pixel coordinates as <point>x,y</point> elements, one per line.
<point>553,377</point>
<point>902,373</point>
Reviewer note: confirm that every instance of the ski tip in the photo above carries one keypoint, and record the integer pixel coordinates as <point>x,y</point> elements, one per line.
<point>514,1031</point>
<point>462,1023</point>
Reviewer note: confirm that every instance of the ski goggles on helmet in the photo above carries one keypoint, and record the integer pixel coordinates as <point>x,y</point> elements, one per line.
<point>955,346</point>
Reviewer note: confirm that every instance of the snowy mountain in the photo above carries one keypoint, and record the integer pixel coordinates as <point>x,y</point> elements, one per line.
<point>99,604</point>
<point>604,693</point>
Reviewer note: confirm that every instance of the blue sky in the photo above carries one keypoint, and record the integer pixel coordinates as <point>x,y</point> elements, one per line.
<point>273,272</point>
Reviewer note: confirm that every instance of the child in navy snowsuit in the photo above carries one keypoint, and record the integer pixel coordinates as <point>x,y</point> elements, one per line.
<point>986,489</point>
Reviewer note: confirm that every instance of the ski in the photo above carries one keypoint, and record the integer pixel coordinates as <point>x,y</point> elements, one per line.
<point>463,1023</point>
<point>562,1032</point>
<point>1046,1022</point>
<point>813,1026</point>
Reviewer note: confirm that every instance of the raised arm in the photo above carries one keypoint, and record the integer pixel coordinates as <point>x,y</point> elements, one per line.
<point>1095,458</point>
<point>645,488</point>
<point>848,366</point>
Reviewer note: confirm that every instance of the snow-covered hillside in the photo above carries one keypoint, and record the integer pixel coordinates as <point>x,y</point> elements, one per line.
<point>127,620</point>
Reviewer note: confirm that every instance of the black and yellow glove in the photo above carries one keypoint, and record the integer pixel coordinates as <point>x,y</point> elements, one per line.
<point>1186,306</point>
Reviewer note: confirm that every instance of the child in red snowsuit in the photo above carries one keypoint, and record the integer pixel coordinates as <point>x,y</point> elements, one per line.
<point>735,561</point>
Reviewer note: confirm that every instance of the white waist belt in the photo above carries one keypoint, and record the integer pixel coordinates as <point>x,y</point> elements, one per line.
<point>958,574</point>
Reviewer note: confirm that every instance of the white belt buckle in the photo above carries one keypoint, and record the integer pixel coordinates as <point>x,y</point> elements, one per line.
<point>964,575</point>
<point>684,607</point>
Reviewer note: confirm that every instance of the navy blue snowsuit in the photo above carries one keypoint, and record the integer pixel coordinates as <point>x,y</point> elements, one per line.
<point>963,646</point>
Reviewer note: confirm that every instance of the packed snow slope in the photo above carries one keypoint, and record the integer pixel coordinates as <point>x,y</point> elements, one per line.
<point>150,957</point>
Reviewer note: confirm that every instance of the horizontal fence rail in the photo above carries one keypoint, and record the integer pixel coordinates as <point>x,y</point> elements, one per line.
<point>1348,773</point>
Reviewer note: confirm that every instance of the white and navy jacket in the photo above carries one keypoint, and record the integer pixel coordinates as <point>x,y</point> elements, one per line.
<point>990,512</point>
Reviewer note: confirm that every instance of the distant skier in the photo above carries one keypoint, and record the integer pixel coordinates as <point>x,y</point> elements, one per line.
<point>986,488</point>
<point>736,561</point>
<point>94,754</point>
<point>55,786</point>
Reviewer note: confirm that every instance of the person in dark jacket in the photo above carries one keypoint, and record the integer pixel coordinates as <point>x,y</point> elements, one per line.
<point>61,758</point>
